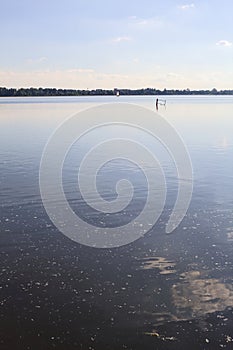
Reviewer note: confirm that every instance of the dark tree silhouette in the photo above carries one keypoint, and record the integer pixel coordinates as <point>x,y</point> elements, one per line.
<point>9,92</point>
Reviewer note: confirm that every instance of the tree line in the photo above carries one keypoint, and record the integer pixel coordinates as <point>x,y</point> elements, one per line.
<point>11,92</point>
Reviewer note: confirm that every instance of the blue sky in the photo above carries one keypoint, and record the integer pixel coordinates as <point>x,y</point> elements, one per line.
<point>106,44</point>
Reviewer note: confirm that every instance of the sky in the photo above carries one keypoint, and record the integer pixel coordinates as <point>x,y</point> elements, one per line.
<point>108,44</point>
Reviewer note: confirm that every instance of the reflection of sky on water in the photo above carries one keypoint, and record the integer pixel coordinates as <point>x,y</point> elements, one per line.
<point>199,295</point>
<point>162,264</point>
<point>157,280</point>
<point>195,293</point>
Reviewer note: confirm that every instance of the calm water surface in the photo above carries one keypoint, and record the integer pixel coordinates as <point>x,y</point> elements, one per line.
<point>160,292</point>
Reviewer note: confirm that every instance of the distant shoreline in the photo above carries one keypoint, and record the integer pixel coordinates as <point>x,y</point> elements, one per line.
<point>43,92</point>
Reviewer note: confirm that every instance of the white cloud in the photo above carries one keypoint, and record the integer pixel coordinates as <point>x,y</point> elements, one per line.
<point>120,39</point>
<point>224,43</point>
<point>159,77</point>
<point>141,23</point>
<point>172,75</point>
<point>70,78</point>
<point>186,6</point>
<point>80,70</point>
<point>36,60</point>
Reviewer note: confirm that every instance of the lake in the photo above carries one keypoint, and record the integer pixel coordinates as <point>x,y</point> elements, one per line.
<point>162,291</point>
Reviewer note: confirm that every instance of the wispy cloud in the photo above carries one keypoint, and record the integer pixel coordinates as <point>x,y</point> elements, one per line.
<point>186,6</point>
<point>225,43</point>
<point>172,75</point>
<point>141,23</point>
<point>70,78</point>
<point>36,60</point>
<point>80,70</point>
<point>120,39</point>
<point>159,78</point>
